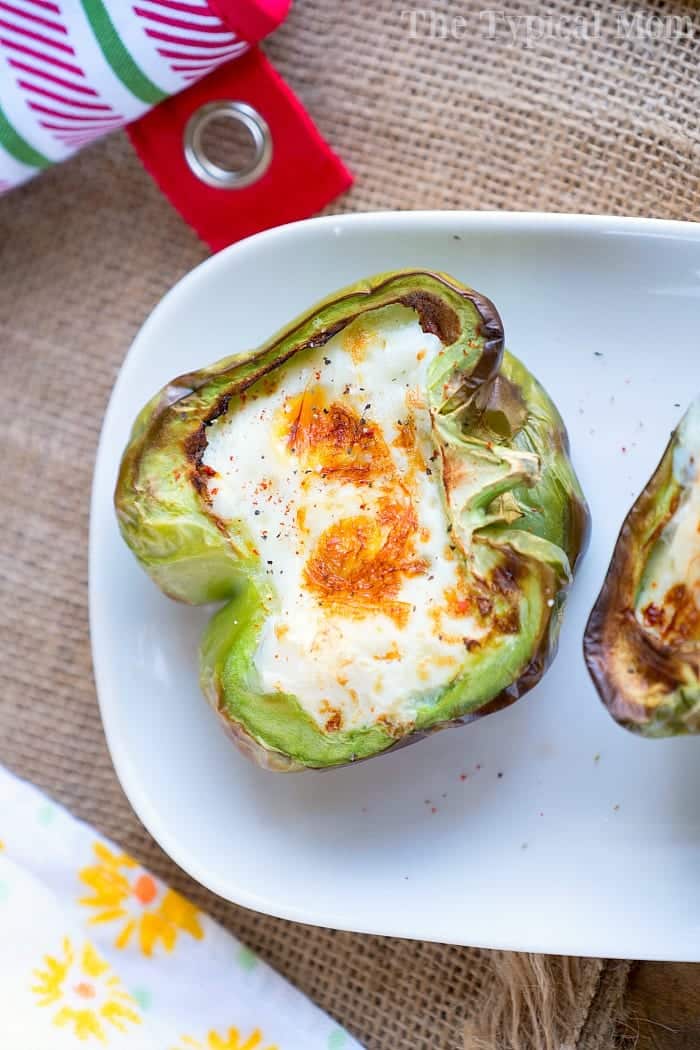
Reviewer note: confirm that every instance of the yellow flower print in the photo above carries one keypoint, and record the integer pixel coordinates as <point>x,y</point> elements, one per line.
<point>89,997</point>
<point>231,1040</point>
<point>123,892</point>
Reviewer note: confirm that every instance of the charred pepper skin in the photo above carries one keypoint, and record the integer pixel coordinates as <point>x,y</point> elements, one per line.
<point>642,642</point>
<point>516,512</point>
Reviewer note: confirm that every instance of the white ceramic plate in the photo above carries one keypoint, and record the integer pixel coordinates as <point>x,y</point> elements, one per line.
<point>544,827</point>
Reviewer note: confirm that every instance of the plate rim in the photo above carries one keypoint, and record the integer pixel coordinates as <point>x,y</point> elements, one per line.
<point>127,774</point>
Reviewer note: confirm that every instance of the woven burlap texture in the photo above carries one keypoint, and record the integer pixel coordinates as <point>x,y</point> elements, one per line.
<point>433,115</point>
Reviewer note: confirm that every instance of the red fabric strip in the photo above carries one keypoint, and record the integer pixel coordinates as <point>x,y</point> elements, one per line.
<point>251,19</point>
<point>304,174</point>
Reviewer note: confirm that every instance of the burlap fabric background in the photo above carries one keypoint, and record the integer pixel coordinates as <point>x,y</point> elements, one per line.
<point>473,120</point>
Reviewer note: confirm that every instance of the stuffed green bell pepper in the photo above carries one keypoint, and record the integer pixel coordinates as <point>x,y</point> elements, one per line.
<point>642,643</point>
<point>383,499</point>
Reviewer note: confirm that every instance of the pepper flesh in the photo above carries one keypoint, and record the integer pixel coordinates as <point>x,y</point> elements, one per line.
<point>642,642</point>
<point>516,512</point>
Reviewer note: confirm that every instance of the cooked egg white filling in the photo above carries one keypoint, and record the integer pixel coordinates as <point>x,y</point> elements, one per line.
<point>669,602</point>
<point>331,466</point>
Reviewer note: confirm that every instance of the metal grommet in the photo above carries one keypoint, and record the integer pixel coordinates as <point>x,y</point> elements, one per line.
<point>213,174</point>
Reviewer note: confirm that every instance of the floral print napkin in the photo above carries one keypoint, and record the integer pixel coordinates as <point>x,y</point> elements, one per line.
<point>95,951</point>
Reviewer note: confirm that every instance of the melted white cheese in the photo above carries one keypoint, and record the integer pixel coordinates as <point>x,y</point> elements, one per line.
<point>347,667</point>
